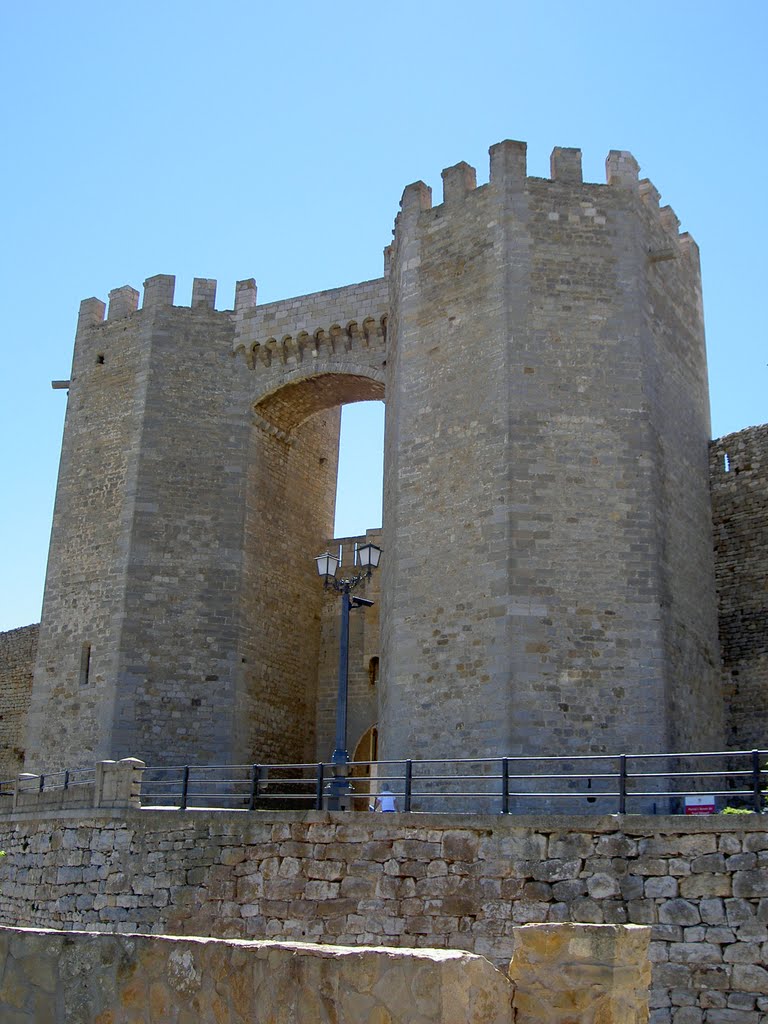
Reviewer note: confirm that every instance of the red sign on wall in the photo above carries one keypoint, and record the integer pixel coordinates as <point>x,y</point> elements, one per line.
<point>699,805</point>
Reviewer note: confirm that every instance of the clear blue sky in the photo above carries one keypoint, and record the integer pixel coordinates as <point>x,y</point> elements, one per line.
<point>238,139</point>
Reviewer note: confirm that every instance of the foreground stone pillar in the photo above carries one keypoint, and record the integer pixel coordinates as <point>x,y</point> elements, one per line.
<point>580,974</point>
<point>96,977</point>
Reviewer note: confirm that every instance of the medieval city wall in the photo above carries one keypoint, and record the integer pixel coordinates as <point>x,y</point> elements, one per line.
<point>18,648</point>
<point>739,482</point>
<point>413,881</point>
<point>197,483</point>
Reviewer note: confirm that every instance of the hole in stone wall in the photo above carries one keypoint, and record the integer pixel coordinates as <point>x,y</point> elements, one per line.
<point>85,664</point>
<point>373,671</point>
<point>726,463</point>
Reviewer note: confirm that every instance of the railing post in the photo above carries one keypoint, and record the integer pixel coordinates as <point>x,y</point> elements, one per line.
<point>42,783</point>
<point>319,778</point>
<point>757,793</point>
<point>184,788</point>
<point>255,774</point>
<point>66,779</point>
<point>505,785</point>
<point>622,783</point>
<point>408,781</point>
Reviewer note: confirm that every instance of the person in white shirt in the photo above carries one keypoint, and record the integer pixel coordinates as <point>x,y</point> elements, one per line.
<point>385,801</point>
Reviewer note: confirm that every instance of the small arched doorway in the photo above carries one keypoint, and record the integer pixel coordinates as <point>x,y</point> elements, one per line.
<point>364,774</point>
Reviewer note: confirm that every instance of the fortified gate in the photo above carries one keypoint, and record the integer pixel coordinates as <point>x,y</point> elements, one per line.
<point>547,581</point>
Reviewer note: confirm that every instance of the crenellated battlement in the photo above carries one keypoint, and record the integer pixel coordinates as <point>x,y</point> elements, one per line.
<point>355,316</point>
<point>159,293</point>
<point>508,171</point>
<point>508,168</point>
<point>308,330</point>
<point>565,165</point>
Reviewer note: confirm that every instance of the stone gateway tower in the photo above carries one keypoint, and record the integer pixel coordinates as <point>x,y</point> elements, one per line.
<point>547,582</point>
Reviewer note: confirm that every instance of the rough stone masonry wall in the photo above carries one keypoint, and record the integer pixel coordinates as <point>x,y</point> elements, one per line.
<point>415,881</point>
<point>739,483</point>
<point>18,648</point>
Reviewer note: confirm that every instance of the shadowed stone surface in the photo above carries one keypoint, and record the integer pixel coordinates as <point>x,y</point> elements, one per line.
<point>592,974</point>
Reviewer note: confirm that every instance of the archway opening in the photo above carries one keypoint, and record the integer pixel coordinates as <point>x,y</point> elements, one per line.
<point>291,498</point>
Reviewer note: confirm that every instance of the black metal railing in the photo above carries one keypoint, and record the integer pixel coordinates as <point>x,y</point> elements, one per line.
<point>587,784</point>
<point>65,779</point>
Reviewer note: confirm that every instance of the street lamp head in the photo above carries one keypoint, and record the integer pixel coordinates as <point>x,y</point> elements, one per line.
<point>327,564</point>
<point>368,555</point>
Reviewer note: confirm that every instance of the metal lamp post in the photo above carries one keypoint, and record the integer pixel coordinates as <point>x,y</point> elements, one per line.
<point>367,557</point>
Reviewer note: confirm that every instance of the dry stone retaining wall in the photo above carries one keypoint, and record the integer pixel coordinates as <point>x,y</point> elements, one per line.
<point>444,881</point>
